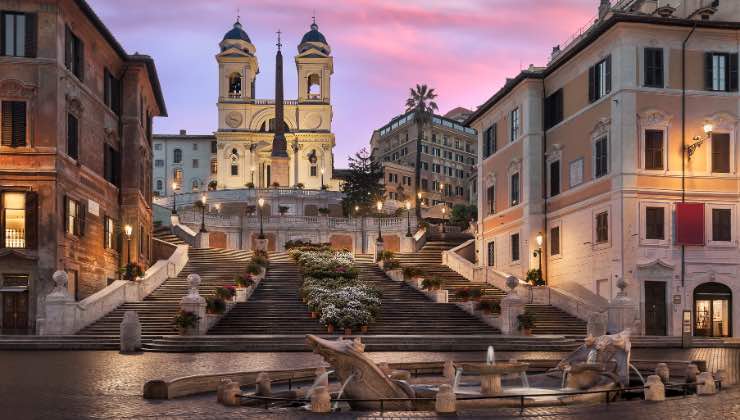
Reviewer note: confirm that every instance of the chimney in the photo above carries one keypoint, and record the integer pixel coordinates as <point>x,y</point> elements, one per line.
<point>183,132</point>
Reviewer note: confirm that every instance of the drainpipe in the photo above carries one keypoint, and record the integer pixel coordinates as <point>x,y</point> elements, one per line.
<point>683,144</point>
<point>545,233</point>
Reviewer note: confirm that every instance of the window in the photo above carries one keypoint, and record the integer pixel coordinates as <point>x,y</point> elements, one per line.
<point>178,176</point>
<point>214,166</point>
<point>554,109</point>
<point>600,79</point>
<point>195,163</point>
<point>491,198</point>
<point>159,163</point>
<point>515,189</point>
<point>515,124</point>
<point>654,67</point>
<point>13,123</point>
<point>195,185</point>
<point>576,172</point>
<point>313,171</point>
<point>425,165</point>
<point>195,146</point>
<point>720,153</point>
<point>74,54</point>
<point>214,146</point>
<point>18,34</point>
<point>72,137</point>
<point>555,240</point>
<point>177,156</point>
<point>234,162</point>
<point>720,72</point>
<point>489,141</point>
<point>109,228</point>
<point>601,165</point>
<point>654,150</point>
<point>112,165</point>
<point>157,146</point>
<point>436,152</point>
<point>491,254</point>
<point>554,178</point>
<point>235,85</point>
<point>721,225</point>
<point>654,223</point>
<point>424,185</point>
<point>515,247</point>
<point>160,184</point>
<point>112,93</point>
<point>74,217</point>
<point>602,227</point>
<point>14,219</point>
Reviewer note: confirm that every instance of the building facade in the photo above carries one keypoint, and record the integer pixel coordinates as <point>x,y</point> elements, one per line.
<point>185,161</point>
<point>76,113</point>
<point>625,164</point>
<point>448,158</point>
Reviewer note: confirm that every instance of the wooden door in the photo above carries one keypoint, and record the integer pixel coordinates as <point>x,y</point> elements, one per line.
<point>655,308</point>
<point>15,311</point>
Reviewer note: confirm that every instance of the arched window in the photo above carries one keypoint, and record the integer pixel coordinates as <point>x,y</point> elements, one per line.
<point>235,85</point>
<point>314,86</point>
<point>234,162</point>
<point>195,185</point>
<point>269,126</point>
<point>177,156</point>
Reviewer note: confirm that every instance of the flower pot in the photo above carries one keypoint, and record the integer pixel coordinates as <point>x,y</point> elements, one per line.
<point>348,331</point>
<point>330,329</point>
<point>314,315</point>
<point>363,329</point>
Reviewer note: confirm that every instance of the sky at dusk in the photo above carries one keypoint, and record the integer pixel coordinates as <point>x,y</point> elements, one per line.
<point>465,49</point>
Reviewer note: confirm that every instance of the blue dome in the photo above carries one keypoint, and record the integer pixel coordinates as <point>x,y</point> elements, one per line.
<point>237,33</point>
<point>314,35</point>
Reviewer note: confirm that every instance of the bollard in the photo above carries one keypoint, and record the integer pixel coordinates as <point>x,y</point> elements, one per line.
<point>662,370</point>
<point>320,400</point>
<point>130,333</point>
<point>221,388</point>
<point>264,385</point>
<point>655,390</point>
<point>691,373</point>
<point>706,385</point>
<point>232,395</point>
<point>446,402</point>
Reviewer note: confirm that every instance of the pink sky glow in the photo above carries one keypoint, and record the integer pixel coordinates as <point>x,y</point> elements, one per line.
<point>465,49</point>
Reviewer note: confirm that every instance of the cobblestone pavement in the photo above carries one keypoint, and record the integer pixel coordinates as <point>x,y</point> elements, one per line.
<point>107,385</point>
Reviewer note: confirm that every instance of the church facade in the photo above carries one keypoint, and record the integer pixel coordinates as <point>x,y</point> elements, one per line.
<point>247,127</point>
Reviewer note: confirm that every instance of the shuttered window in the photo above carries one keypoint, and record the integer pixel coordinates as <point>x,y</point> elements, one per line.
<point>554,178</point>
<point>13,123</point>
<point>18,34</point>
<point>489,146</point>
<point>720,72</point>
<point>515,247</point>
<point>655,223</point>
<point>19,222</point>
<point>491,254</point>
<point>555,240</point>
<point>109,232</point>
<point>654,67</point>
<point>74,217</point>
<point>73,134</point>
<point>654,149</point>
<point>721,153</point>
<point>112,165</point>
<point>554,109</point>
<point>514,189</point>
<point>74,54</point>
<point>601,158</point>
<point>602,227</point>
<point>600,79</point>
<point>721,225</point>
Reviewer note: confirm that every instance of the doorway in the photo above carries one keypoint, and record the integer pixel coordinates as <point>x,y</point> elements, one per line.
<point>15,312</point>
<point>712,310</point>
<point>655,308</point>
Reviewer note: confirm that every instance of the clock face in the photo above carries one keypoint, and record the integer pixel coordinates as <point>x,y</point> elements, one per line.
<point>234,119</point>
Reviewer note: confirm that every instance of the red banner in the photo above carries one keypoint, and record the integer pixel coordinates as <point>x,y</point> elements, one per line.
<point>690,223</point>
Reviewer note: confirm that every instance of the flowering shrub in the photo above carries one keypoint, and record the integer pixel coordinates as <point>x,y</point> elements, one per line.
<point>244,280</point>
<point>225,292</point>
<point>215,305</point>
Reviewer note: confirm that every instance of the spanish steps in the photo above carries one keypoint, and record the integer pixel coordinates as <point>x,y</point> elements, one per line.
<point>548,319</point>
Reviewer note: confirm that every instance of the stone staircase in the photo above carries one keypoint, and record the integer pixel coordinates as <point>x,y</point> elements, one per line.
<point>548,319</point>
<point>216,267</point>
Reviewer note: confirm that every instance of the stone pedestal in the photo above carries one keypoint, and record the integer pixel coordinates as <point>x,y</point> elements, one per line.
<point>202,240</point>
<point>407,244</point>
<point>261,244</point>
<point>490,384</point>
<point>232,394</point>
<point>58,308</point>
<point>195,303</point>
<point>655,390</point>
<point>130,333</point>
<point>320,400</point>
<point>446,401</point>
<point>622,312</point>
<point>279,170</point>
<point>511,307</point>
<point>706,385</point>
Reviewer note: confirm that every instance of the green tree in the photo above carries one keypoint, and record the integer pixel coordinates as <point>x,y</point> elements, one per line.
<point>421,102</point>
<point>462,214</point>
<point>362,186</point>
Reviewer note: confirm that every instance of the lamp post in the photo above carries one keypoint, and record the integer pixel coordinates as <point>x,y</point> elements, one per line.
<point>252,170</point>
<point>699,140</point>
<point>128,230</point>
<point>322,178</point>
<point>174,197</point>
<point>408,218</point>
<point>218,207</point>
<point>444,218</point>
<point>203,213</point>
<point>538,253</point>
<point>379,206</point>
<point>261,203</point>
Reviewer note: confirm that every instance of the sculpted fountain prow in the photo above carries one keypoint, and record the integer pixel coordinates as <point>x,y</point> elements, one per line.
<point>360,375</point>
<point>599,351</point>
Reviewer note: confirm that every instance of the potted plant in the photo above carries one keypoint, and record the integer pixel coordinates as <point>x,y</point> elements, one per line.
<point>433,283</point>
<point>276,185</point>
<point>463,294</point>
<point>254,269</point>
<point>131,271</point>
<point>386,255</point>
<point>215,305</point>
<point>300,186</point>
<point>185,320</point>
<point>324,187</point>
<point>488,307</point>
<point>324,211</point>
<point>391,264</point>
<point>250,209</point>
<point>475,294</point>
<point>526,323</point>
<point>250,185</point>
<point>411,273</point>
<point>225,292</point>
<point>244,281</point>
<point>534,277</point>
<point>283,209</point>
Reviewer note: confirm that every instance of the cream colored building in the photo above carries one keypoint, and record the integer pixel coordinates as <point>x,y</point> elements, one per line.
<point>601,169</point>
<point>246,124</point>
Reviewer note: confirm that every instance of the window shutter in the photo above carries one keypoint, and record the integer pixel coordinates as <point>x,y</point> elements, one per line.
<point>67,48</point>
<point>116,95</point>
<point>658,66</point>
<point>72,140</point>
<point>2,220</point>
<point>31,35</point>
<point>105,231</point>
<point>592,84</point>
<point>116,157</point>
<point>32,205</point>
<point>708,74</point>
<point>107,163</point>
<point>65,213</point>
<point>733,72</point>
<point>19,124</point>
<point>81,215</point>
<point>608,74</point>
<point>7,123</point>
<point>80,58</point>
<point>2,33</point>
<point>107,88</point>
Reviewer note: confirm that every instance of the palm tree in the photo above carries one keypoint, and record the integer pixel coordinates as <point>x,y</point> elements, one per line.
<point>421,102</point>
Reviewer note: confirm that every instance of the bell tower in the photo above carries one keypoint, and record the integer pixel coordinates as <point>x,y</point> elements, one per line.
<point>315,66</point>
<point>237,72</point>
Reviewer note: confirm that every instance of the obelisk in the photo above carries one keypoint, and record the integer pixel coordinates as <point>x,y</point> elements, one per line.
<point>279,157</point>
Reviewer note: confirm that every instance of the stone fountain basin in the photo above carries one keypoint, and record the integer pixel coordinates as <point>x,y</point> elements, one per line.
<point>500,368</point>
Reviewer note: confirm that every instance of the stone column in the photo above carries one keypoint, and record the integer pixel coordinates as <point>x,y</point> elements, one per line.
<point>656,389</point>
<point>58,308</point>
<point>511,307</point>
<point>195,303</point>
<point>622,312</point>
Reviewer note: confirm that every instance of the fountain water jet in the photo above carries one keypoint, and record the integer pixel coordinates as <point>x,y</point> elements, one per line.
<point>490,356</point>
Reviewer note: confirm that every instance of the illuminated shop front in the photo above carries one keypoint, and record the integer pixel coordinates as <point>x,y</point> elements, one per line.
<point>712,310</point>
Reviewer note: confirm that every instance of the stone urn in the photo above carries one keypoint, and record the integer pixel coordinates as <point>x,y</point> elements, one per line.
<point>512,282</point>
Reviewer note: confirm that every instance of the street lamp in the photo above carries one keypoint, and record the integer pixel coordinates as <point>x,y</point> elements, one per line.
<point>322,178</point>
<point>218,207</point>
<point>174,197</point>
<point>252,170</point>
<point>444,218</point>
<point>698,140</point>
<point>128,230</point>
<point>538,252</point>
<point>408,218</point>
<point>261,203</point>
<point>379,206</point>
<point>203,213</point>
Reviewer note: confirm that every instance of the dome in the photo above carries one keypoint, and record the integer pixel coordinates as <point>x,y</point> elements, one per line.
<point>314,35</point>
<point>237,33</point>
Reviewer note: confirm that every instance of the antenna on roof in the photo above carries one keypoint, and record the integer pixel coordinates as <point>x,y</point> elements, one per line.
<point>238,14</point>
<point>314,16</point>
<point>279,44</point>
